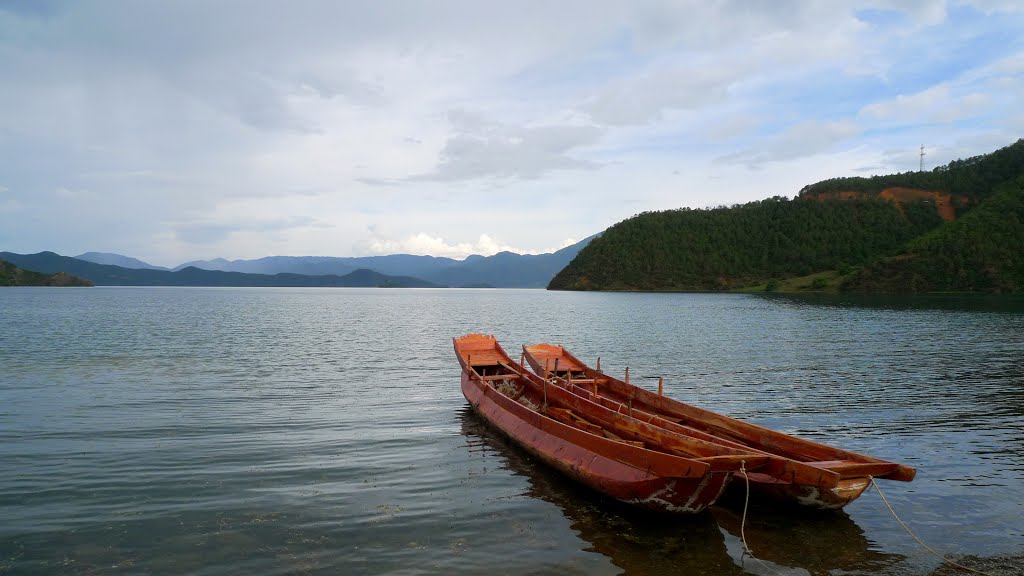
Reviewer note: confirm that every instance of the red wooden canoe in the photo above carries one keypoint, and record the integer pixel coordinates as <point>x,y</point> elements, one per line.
<point>535,415</point>
<point>789,476</point>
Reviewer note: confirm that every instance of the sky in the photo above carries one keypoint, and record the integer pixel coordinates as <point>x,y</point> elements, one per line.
<point>181,130</point>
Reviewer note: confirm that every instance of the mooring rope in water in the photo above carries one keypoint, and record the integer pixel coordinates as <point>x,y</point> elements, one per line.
<point>914,536</point>
<point>743,522</point>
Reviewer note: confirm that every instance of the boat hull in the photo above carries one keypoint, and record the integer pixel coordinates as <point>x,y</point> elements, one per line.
<point>849,472</point>
<point>592,461</point>
<point>835,498</point>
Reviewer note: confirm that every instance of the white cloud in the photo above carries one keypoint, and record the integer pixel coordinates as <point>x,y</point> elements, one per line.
<point>908,105</point>
<point>65,193</point>
<point>994,6</point>
<point>921,12</point>
<point>642,99</point>
<point>1012,65</point>
<point>425,244</point>
<point>935,104</point>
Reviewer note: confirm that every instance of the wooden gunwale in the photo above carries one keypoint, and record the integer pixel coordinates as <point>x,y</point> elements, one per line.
<point>725,458</point>
<point>802,458</point>
<point>622,425</point>
<point>650,461</point>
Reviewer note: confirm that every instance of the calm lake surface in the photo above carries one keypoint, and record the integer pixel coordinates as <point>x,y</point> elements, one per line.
<point>292,431</point>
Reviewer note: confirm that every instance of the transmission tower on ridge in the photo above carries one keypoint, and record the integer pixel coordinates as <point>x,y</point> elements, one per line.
<point>920,168</point>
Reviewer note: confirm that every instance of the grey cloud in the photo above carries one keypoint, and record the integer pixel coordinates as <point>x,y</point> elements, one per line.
<point>695,56</point>
<point>213,232</point>
<point>342,83</point>
<point>805,139</point>
<point>242,59</point>
<point>380,181</point>
<point>256,101</point>
<point>641,99</point>
<point>480,150</point>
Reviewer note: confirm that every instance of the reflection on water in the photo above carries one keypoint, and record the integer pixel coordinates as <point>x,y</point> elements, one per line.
<point>639,542</point>
<point>636,541</point>
<point>785,539</point>
<point>817,541</point>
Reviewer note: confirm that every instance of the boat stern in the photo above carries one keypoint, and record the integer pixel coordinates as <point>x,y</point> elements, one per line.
<point>824,498</point>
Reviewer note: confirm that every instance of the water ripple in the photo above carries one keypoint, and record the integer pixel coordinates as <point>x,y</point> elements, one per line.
<point>283,431</point>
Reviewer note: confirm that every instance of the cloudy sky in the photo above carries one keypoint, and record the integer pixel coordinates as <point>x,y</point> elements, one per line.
<point>177,130</point>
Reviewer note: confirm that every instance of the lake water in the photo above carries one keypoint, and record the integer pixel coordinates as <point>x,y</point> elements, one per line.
<point>294,431</point>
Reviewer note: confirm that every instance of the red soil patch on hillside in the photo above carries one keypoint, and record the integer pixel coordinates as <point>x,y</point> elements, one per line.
<point>943,200</point>
<point>945,203</point>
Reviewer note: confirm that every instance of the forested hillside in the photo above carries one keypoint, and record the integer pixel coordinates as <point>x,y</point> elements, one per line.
<point>724,248</point>
<point>964,216</point>
<point>11,275</point>
<point>981,252</point>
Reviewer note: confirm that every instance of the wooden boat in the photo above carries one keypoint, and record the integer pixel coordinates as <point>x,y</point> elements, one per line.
<point>848,474</point>
<point>557,427</point>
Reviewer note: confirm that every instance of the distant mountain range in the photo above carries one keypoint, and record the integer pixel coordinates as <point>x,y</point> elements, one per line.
<point>502,270</point>
<point>118,260</point>
<point>108,275</point>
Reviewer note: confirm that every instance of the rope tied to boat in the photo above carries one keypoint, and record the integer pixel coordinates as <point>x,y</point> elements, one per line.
<point>743,522</point>
<point>914,536</point>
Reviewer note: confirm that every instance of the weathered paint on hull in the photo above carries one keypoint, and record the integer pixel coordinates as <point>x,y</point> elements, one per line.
<point>621,481</point>
<point>848,490</point>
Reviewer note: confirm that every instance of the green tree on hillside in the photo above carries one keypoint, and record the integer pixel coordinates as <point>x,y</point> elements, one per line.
<point>981,252</point>
<point>974,178</point>
<point>727,247</point>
